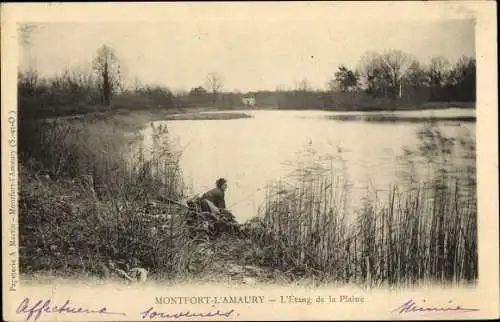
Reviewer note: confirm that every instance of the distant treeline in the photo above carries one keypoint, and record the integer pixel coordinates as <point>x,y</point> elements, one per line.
<point>389,80</point>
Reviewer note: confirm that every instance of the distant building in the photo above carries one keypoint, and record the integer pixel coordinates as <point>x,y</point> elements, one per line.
<point>248,101</point>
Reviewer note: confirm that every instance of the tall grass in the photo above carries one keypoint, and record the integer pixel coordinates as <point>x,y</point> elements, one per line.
<point>425,232</point>
<point>85,201</point>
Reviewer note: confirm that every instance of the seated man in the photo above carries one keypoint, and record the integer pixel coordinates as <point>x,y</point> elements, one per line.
<point>213,200</point>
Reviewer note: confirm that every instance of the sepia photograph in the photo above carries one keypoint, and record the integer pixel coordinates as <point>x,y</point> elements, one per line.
<point>255,148</point>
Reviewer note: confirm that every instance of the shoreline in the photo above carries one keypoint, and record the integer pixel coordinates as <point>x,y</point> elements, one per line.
<point>137,119</point>
<point>200,109</point>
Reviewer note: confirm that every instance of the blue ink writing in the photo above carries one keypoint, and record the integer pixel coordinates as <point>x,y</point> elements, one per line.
<point>411,306</point>
<point>36,310</point>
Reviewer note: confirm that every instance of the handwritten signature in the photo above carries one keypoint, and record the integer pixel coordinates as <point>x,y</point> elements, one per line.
<point>36,310</point>
<point>411,306</point>
<point>151,314</point>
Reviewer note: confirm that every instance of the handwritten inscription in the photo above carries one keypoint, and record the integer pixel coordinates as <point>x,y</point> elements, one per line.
<point>33,311</point>
<point>151,313</point>
<point>411,306</point>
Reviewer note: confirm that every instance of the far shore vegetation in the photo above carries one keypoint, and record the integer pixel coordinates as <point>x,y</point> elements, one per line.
<point>388,80</point>
<point>83,202</point>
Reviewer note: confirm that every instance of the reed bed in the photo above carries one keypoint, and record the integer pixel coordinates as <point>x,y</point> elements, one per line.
<point>424,233</point>
<point>420,235</point>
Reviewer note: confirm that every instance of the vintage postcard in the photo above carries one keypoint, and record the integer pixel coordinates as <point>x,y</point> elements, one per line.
<point>249,161</point>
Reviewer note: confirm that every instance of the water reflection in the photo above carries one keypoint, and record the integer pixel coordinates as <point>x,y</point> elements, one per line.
<point>361,156</point>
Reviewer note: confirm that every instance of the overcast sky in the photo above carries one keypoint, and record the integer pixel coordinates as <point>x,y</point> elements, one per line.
<point>253,49</point>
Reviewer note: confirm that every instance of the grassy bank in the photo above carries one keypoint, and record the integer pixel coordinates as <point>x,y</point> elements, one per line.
<point>83,204</point>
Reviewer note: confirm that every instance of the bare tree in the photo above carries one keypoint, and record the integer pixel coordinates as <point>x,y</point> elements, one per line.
<point>107,67</point>
<point>439,68</point>
<point>462,79</point>
<point>136,86</point>
<point>303,85</point>
<point>83,76</point>
<point>373,74</point>
<point>416,75</point>
<point>396,62</point>
<point>383,73</point>
<point>27,82</point>
<point>214,84</point>
<point>280,88</point>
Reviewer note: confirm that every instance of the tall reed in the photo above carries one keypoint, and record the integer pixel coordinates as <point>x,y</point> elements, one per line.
<point>426,232</point>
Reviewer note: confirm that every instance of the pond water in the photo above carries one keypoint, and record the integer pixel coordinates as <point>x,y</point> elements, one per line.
<point>252,152</point>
